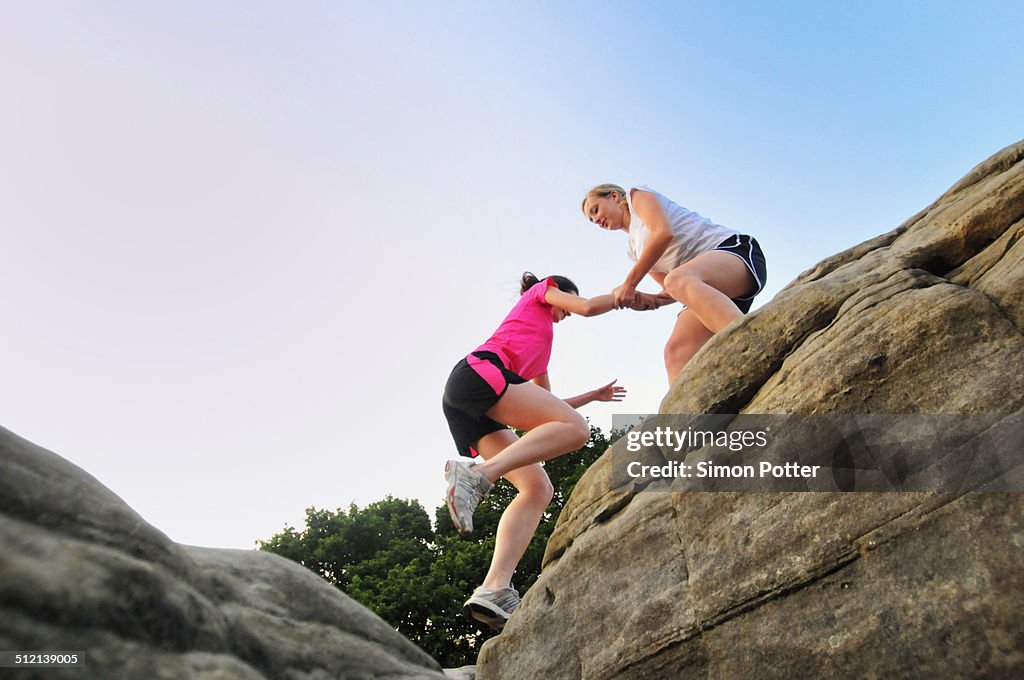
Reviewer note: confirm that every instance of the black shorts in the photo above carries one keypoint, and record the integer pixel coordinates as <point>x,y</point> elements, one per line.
<point>747,249</point>
<point>474,386</point>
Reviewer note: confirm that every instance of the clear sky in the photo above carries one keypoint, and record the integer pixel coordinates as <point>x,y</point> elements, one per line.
<point>243,243</point>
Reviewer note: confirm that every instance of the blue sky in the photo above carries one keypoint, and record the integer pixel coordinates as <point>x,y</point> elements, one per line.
<point>245,242</point>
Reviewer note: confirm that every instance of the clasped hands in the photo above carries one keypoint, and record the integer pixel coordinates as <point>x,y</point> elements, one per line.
<point>627,295</point>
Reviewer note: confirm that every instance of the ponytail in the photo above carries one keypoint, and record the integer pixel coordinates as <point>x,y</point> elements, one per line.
<point>563,284</point>
<point>528,281</point>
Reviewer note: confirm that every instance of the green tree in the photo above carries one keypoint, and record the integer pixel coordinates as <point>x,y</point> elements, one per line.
<point>414,576</point>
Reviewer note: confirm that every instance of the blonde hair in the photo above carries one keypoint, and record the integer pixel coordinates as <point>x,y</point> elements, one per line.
<point>604,191</point>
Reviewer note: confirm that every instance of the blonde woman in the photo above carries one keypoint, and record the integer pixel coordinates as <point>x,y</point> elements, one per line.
<point>713,270</point>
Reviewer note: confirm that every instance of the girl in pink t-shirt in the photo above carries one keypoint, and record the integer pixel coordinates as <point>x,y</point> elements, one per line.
<point>504,383</point>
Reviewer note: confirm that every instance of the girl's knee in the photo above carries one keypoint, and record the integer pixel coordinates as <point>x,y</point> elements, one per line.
<point>537,491</point>
<point>580,431</point>
<point>542,492</point>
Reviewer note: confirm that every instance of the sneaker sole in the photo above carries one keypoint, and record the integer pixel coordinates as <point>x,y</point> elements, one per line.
<point>482,616</point>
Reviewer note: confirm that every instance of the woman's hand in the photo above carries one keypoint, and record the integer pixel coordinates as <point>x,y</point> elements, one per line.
<point>664,298</point>
<point>610,392</point>
<point>624,295</point>
<point>644,302</point>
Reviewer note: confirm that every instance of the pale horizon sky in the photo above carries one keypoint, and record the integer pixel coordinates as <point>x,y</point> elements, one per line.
<point>245,242</point>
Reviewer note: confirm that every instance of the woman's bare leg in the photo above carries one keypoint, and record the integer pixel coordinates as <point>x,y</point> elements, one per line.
<point>552,428</point>
<point>522,516</point>
<point>688,336</point>
<point>705,285</point>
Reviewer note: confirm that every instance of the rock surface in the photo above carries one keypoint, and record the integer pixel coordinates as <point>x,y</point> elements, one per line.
<point>925,319</point>
<point>80,570</point>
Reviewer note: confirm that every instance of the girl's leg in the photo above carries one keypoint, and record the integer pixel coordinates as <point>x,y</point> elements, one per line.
<point>552,428</point>
<point>688,336</point>
<point>522,516</point>
<point>705,285</point>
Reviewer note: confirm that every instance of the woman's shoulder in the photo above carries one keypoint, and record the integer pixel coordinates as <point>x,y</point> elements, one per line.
<point>667,204</point>
<point>645,189</point>
<point>647,192</point>
<point>537,292</point>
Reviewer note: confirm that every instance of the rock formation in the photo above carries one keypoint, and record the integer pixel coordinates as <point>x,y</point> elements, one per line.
<point>925,319</point>
<point>80,570</point>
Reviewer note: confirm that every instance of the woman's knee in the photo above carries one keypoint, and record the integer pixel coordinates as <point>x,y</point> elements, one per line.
<point>683,348</point>
<point>680,282</point>
<point>675,352</point>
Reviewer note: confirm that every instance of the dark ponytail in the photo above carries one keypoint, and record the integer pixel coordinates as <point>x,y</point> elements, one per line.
<point>565,285</point>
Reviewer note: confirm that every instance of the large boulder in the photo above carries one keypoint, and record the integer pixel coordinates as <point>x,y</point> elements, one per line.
<point>81,571</point>
<point>926,319</point>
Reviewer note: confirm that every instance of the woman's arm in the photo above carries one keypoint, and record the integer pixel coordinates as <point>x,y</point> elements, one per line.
<point>650,211</point>
<point>609,392</point>
<point>577,305</point>
<point>542,380</point>
<point>646,301</point>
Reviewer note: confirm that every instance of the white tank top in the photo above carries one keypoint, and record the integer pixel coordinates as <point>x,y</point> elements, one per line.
<point>692,234</point>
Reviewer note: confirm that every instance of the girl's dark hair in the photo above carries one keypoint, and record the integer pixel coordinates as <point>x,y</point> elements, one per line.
<point>529,280</point>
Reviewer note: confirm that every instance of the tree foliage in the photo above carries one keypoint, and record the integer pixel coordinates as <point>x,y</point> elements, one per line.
<point>414,575</point>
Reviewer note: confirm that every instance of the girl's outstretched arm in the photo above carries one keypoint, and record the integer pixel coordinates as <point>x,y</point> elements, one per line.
<point>609,392</point>
<point>574,304</point>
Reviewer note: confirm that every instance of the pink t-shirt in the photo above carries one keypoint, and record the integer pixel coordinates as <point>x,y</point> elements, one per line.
<point>523,340</point>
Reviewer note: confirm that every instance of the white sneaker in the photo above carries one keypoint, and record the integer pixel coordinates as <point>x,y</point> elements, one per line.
<point>492,607</point>
<point>466,488</point>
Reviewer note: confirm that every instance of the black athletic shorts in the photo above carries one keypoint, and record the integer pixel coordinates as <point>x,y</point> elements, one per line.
<point>474,386</point>
<point>747,249</point>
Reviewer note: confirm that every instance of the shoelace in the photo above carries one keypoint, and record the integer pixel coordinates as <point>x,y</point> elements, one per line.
<point>472,480</point>
<point>514,604</point>
<point>469,484</point>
